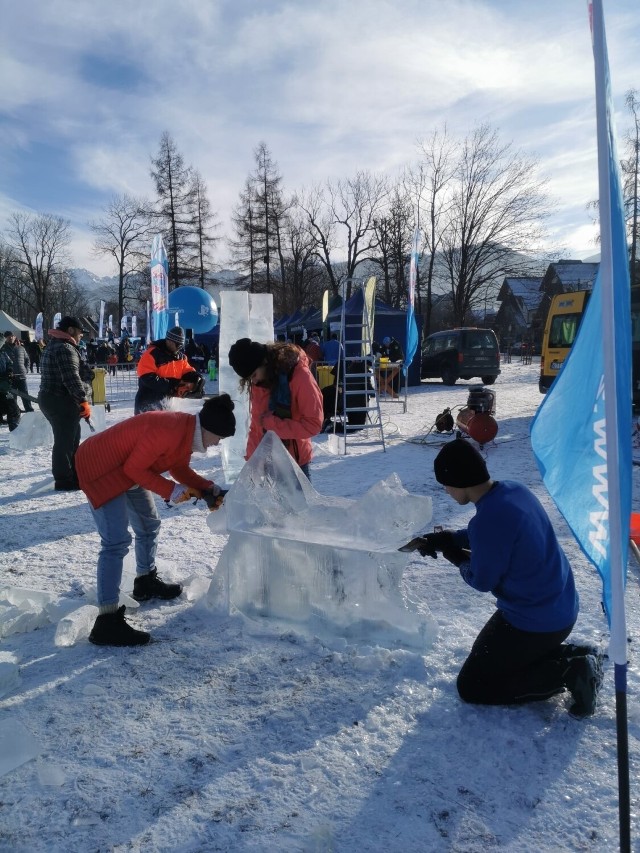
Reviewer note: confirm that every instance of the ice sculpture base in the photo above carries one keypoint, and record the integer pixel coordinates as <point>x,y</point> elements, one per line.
<point>320,562</point>
<point>332,592</point>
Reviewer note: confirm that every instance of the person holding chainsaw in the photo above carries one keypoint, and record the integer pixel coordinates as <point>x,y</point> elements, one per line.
<point>120,470</point>
<point>510,549</point>
<point>65,391</point>
<point>164,372</point>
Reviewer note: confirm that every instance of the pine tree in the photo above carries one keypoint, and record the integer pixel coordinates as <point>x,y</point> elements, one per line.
<point>174,210</point>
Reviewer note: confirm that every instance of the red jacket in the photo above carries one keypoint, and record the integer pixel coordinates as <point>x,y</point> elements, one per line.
<point>306,414</point>
<point>136,452</point>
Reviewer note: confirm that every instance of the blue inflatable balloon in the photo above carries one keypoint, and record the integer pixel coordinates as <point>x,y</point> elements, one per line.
<point>195,308</point>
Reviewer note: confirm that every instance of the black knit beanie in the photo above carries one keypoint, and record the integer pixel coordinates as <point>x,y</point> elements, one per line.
<point>217,416</point>
<point>246,355</point>
<point>460,465</point>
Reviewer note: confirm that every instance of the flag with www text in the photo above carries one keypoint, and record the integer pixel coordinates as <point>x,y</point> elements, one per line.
<point>159,288</point>
<point>572,435</point>
<point>412,326</point>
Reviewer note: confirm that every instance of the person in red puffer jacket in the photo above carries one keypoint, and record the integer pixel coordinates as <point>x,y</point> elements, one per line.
<point>285,398</point>
<point>118,470</point>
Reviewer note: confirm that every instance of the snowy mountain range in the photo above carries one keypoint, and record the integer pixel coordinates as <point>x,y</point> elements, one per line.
<point>96,285</point>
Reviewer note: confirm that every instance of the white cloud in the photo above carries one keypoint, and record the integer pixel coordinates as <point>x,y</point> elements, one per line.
<point>331,87</point>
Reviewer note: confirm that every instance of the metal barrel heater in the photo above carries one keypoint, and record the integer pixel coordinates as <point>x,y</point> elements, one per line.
<point>476,418</point>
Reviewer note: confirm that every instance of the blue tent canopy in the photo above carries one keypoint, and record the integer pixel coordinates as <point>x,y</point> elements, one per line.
<point>388,322</point>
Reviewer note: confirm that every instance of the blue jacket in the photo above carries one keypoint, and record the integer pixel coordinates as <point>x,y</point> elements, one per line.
<point>515,555</point>
<point>331,351</point>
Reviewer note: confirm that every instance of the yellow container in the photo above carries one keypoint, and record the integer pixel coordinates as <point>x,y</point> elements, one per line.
<point>98,389</point>
<point>324,374</point>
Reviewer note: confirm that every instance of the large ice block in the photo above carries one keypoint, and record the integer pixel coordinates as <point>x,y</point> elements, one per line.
<point>75,626</point>
<point>330,563</point>
<point>242,315</point>
<point>9,673</point>
<point>32,431</point>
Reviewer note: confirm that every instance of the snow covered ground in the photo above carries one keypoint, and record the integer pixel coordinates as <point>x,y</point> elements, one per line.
<point>232,735</point>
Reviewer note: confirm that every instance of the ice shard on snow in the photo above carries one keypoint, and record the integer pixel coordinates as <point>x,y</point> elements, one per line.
<point>17,745</point>
<point>332,563</point>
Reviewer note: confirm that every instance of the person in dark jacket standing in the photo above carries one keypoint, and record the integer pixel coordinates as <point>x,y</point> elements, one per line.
<point>119,470</point>
<point>20,360</point>
<point>8,405</point>
<point>164,372</point>
<point>34,351</point>
<point>65,390</point>
<point>510,549</point>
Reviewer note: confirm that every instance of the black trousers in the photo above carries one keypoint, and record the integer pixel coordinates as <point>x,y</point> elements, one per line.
<point>64,416</point>
<point>9,407</point>
<point>507,666</point>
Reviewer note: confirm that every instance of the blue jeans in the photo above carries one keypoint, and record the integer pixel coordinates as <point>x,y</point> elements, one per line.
<point>136,507</point>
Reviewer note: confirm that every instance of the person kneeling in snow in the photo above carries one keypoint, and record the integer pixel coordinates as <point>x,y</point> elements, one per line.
<point>118,469</point>
<point>510,549</point>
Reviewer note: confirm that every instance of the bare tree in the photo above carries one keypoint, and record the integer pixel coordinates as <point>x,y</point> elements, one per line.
<point>493,221</point>
<point>270,208</point>
<point>631,177</point>
<point>124,234</point>
<point>322,228</point>
<point>14,291</point>
<point>260,222</point>
<point>41,245</point>
<point>394,233</point>
<point>341,217</point>
<point>204,225</point>
<point>304,276</point>
<point>428,182</point>
<point>174,187</point>
<point>244,250</point>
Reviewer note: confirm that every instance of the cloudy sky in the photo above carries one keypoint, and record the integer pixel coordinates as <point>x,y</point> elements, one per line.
<point>330,86</point>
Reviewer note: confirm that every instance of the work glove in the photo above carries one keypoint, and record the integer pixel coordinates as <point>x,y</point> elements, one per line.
<point>431,543</point>
<point>85,411</point>
<point>214,497</point>
<point>181,493</point>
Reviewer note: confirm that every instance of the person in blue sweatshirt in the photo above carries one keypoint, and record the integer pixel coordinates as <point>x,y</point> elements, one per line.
<point>510,549</point>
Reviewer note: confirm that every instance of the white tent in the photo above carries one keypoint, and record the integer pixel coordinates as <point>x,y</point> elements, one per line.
<point>8,324</point>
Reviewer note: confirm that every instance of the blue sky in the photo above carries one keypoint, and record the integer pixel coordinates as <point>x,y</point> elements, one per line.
<point>331,87</point>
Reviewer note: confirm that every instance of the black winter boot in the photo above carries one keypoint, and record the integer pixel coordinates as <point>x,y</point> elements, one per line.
<point>584,679</point>
<point>111,629</point>
<point>146,587</point>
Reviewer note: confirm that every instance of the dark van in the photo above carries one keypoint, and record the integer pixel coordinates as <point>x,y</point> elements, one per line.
<point>461,354</point>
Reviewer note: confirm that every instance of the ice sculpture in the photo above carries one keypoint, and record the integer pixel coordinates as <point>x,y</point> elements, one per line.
<point>329,562</point>
<point>242,315</point>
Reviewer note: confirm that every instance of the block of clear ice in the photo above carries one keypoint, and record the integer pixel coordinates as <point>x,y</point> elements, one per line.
<point>329,563</point>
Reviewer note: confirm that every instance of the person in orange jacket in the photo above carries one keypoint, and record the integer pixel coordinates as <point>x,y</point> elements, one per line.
<point>118,470</point>
<point>285,398</point>
<point>164,372</point>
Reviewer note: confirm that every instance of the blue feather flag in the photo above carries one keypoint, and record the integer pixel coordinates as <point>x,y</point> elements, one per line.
<point>159,288</point>
<point>412,326</point>
<point>581,435</point>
